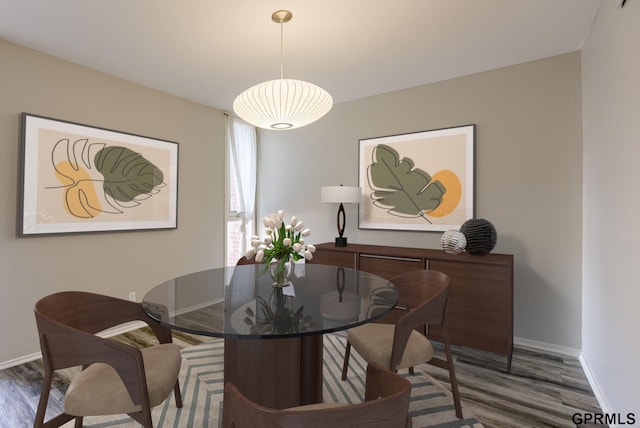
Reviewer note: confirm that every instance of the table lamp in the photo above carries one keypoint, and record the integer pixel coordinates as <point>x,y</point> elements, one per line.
<point>341,195</point>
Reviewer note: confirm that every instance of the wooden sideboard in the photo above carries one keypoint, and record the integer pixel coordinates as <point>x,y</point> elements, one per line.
<point>480,308</point>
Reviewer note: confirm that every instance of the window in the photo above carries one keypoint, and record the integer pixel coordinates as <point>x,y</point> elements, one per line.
<point>241,187</point>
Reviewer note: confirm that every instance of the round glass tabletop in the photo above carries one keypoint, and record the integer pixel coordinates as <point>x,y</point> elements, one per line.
<point>241,301</point>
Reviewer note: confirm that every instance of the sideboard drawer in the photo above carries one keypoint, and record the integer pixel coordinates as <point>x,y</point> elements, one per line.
<point>333,258</point>
<point>387,266</point>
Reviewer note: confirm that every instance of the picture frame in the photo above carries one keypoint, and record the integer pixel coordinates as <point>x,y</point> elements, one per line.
<point>77,178</point>
<point>420,181</point>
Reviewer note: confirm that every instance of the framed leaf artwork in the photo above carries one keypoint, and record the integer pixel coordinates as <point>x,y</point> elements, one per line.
<point>422,181</point>
<point>77,178</point>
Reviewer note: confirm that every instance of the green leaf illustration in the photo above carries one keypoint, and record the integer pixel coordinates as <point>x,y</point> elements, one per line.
<point>400,188</point>
<point>127,174</point>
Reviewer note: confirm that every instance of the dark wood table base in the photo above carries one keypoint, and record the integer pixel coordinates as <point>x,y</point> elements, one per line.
<point>276,373</point>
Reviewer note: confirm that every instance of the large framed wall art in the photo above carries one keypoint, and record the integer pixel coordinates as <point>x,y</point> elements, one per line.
<point>78,178</point>
<point>422,181</point>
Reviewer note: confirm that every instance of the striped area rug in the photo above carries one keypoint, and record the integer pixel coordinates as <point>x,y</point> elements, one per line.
<point>201,379</point>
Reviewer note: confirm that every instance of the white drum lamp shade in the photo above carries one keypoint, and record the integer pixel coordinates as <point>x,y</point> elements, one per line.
<point>340,194</point>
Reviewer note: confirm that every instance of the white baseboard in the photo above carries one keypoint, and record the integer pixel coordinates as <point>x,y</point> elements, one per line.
<point>20,360</point>
<point>107,333</point>
<point>535,345</point>
<point>595,386</point>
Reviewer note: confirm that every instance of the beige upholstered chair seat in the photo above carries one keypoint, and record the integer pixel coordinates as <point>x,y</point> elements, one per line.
<point>99,390</point>
<point>374,342</point>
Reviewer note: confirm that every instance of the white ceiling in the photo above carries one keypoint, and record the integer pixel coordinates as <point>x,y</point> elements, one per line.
<point>209,51</point>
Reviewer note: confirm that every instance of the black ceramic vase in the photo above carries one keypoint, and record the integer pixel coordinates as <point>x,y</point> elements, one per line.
<point>481,236</point>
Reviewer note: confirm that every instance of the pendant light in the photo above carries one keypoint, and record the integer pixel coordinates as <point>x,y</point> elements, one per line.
<point>282,103</point>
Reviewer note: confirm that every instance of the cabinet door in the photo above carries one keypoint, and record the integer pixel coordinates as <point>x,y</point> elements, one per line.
<point>388,266</point>
<point>479,308</point>
<point>335,258</point>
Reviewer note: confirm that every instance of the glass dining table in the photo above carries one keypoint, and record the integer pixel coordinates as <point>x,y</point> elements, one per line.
<point>273,349</point>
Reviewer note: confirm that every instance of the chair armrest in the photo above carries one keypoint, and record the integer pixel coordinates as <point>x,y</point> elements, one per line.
<point>76,348</point>
<point>133,311</point>
<point>403,328</point>
<point>430,312</point>
<point>381,382</point>
<point>238,410</point>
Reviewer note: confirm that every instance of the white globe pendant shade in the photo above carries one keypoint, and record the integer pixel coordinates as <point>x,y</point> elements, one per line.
<point>282,104</point>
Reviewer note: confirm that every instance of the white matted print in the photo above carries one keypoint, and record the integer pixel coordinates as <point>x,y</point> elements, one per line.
<point>422,181</point>
<point>79,178</point>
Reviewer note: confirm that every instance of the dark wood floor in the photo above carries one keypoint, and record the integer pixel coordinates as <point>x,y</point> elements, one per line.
<point>542,390</point>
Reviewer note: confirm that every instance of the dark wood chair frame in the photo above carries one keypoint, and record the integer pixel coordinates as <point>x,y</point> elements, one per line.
<point>422,302</point>
<point>386,405</point>
<point>67,326</point>
<point>245,261</point>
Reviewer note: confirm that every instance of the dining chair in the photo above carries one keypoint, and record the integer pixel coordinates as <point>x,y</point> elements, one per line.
<point>116,378</point>
<point>245,261</point>
<point>386,405</point>
<point>398,340</point>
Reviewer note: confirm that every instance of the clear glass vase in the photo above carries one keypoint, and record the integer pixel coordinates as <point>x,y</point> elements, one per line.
<point>281,272</point>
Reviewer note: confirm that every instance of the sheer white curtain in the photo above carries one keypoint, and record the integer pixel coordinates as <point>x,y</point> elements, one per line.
<point>242,153</point>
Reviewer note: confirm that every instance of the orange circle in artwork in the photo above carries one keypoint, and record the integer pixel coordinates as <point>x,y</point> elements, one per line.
<point>452,196</point>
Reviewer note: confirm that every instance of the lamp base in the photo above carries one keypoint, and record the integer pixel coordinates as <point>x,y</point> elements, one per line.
<point>341,242</point>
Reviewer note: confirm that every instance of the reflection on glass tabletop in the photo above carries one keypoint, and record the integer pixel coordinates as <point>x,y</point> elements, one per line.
<point>241,301</point>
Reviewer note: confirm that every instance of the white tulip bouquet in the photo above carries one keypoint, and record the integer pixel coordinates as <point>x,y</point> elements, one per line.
<point>284,242</point>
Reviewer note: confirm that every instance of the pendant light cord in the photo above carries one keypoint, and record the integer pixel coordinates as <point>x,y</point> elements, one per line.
<point>281,50</point>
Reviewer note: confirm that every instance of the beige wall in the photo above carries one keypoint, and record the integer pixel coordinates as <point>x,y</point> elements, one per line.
<point>528,176</point>
<point>528,182</point>
<point>611,291</point>
<point>110,263</point>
